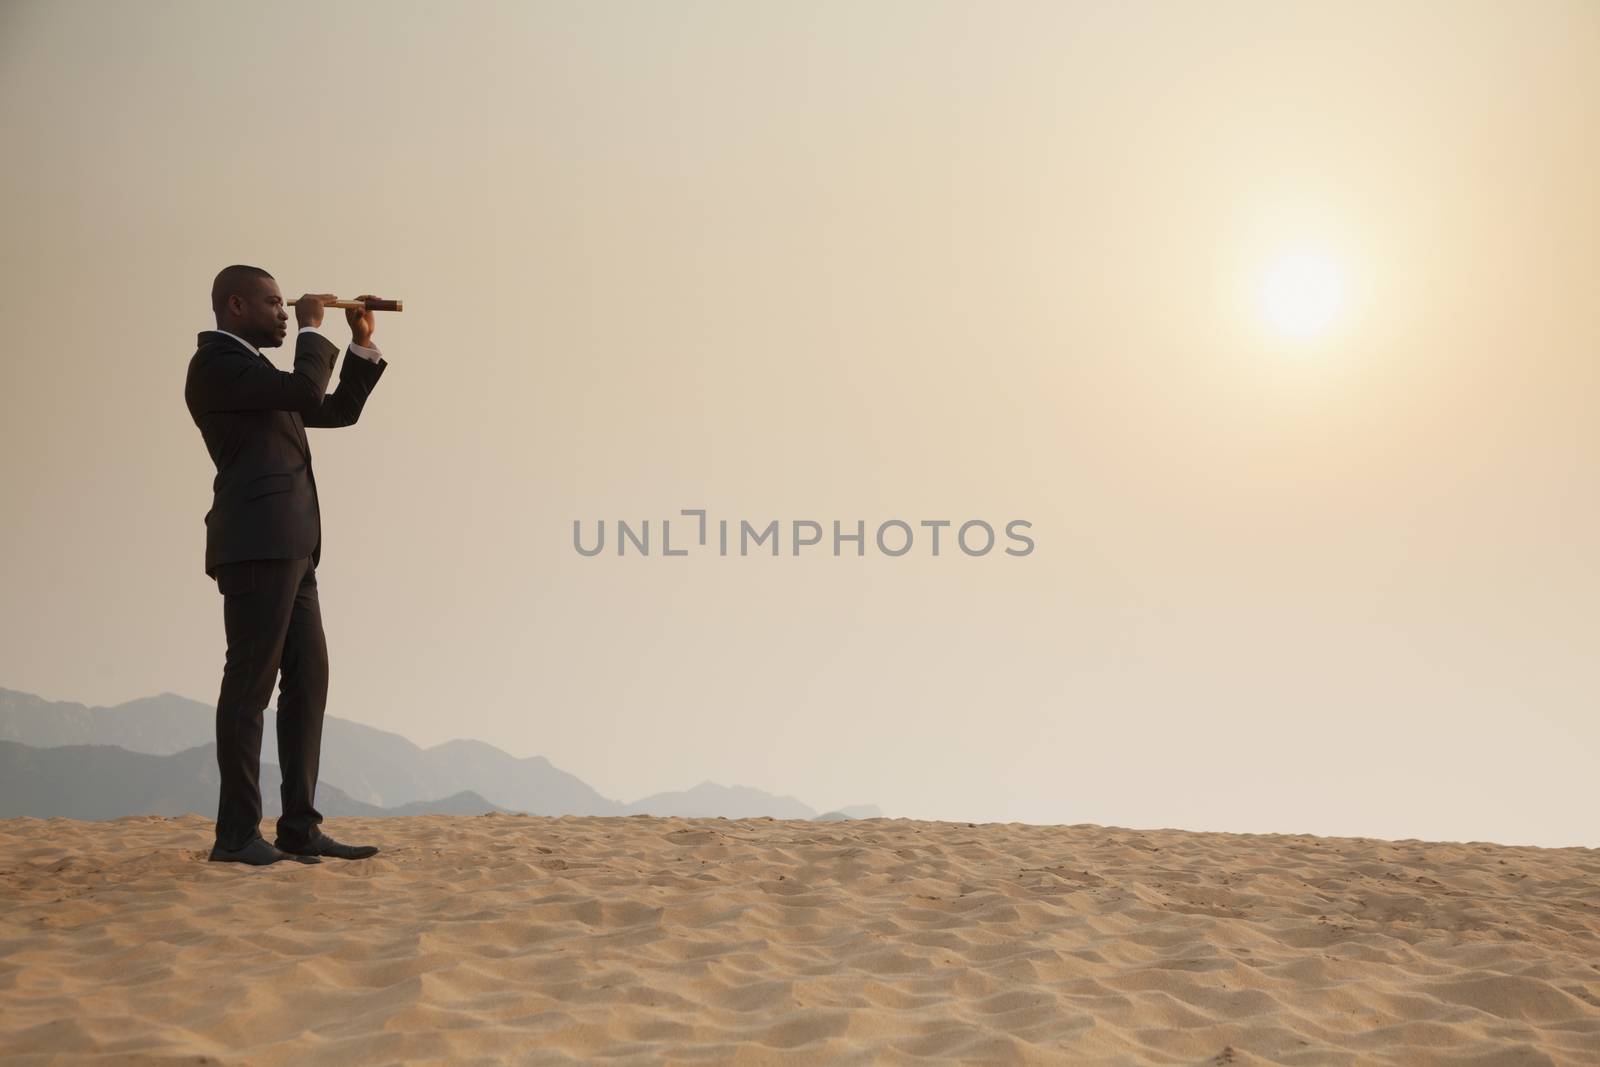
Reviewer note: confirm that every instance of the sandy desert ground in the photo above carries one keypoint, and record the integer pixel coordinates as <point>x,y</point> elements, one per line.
<point>644,940</point>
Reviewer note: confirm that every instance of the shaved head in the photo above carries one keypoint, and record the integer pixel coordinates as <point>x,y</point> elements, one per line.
<point>237,280</point>
<point>247,304</point>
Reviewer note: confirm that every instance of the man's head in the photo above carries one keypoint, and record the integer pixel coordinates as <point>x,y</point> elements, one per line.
<point>247,303</point>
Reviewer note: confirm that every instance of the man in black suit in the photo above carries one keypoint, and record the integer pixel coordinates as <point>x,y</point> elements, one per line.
<point>263,542</point>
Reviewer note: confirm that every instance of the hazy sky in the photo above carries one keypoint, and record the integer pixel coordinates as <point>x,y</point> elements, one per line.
<point>856,261</point>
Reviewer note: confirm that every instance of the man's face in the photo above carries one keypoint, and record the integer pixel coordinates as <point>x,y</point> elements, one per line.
<point>260,314</point>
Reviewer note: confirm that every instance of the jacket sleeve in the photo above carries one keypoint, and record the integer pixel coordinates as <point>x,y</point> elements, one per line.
<point>227,379</point>
<point>342,407</point>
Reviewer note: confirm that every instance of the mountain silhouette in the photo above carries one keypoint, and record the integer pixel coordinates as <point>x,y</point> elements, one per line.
<point>708,800</point>
<point>364,770</point>
<point>107,782</point>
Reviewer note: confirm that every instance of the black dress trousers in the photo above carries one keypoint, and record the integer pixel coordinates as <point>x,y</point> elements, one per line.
<point>273,623</point>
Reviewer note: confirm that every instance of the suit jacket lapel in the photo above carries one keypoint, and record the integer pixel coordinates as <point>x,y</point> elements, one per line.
<point>294,416</point>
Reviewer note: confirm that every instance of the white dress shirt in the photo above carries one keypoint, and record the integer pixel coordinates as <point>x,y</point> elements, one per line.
<point>363,351</point>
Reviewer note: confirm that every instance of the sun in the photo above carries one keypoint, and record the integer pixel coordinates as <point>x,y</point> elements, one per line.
<point>1302,293</point>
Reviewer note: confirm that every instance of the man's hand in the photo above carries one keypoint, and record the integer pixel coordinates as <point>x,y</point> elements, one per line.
<point>360,320</point>
<point>308,309</point>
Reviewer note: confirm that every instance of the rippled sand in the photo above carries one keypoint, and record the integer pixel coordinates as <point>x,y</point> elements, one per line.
<point>645,940</point>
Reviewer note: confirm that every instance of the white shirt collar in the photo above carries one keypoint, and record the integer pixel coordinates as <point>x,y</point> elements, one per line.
<point>241,340</point>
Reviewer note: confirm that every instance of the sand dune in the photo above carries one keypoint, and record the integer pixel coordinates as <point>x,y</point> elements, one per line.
<point>646,940</point>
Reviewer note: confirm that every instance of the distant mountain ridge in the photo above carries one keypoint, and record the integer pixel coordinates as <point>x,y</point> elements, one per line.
<point>373,766</point>
<point>708,800</point>
<point>362,767</point>
<point>107,782</point>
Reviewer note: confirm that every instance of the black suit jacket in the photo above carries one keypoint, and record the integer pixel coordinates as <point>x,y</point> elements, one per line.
<point>253,418</point>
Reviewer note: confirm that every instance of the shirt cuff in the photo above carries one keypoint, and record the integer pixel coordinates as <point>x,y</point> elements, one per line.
<point>366,353</point>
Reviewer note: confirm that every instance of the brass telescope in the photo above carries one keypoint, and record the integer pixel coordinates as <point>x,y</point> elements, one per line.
<point>374,304</point>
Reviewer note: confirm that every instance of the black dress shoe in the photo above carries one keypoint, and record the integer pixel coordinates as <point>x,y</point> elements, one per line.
<point>323,845</point>
<point>256,852</point>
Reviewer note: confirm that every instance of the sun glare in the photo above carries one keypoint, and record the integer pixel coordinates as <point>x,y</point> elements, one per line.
<point>1302,293</point>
